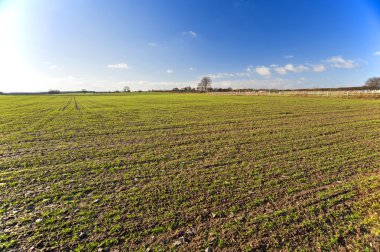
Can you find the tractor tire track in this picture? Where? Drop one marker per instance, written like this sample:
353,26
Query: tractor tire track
76,104
68,104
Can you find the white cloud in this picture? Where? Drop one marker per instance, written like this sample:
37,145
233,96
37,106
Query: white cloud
301,68
191,69
263,71
229,75
290,68
190,34
340,62
295,69
51,65
267,70
169,71
243,74
119,66
377,53
220,75
288,56
249,68
318,68
152,44
280,70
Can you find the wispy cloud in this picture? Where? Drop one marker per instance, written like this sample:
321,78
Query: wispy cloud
152,44
226,75
51,65
220,75
249,68
191,68
298,68
119,66
288,56
340,62
318,68
169,71
263,71
376,53
279,70
242,74
267,71
190,34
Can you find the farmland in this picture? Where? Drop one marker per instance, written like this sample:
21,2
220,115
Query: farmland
186,172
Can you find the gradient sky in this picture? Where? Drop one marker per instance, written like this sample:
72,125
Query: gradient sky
160,44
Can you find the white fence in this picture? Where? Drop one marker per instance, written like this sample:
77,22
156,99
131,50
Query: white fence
351,93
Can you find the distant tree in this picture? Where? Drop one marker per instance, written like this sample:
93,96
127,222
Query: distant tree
373,82
175,89
186,89
1,93
205,84
126,89
84,91
229,89
54,91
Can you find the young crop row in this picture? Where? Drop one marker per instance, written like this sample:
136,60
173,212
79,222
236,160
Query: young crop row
187,172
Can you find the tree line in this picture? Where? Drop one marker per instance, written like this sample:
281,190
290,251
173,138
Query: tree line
205,86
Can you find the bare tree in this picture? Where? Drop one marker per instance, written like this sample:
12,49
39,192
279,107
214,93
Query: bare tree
126,89
373,82
205,84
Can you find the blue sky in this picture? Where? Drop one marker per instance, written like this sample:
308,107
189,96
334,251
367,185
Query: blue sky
161,44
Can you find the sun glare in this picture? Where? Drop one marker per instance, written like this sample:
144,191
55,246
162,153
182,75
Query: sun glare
14,70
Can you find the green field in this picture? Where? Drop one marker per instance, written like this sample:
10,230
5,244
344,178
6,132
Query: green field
189,171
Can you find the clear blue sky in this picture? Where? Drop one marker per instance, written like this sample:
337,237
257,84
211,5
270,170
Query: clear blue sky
161,44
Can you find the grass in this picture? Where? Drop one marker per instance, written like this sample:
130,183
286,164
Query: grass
188,171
